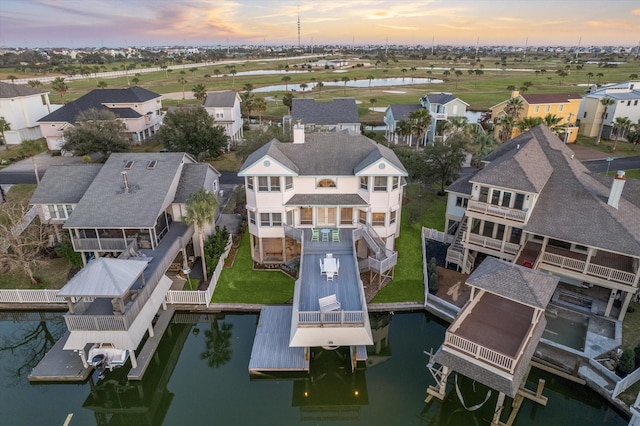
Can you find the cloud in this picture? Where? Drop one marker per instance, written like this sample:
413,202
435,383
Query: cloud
635,12
508,19
398,27
614,25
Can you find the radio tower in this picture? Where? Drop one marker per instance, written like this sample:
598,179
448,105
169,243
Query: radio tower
298,25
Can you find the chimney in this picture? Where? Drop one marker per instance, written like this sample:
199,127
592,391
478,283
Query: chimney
616,189
126,183
298,133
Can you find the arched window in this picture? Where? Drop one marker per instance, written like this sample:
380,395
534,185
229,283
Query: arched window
326,183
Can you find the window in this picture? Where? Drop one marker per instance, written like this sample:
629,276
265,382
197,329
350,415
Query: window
516,233
628,103
585,115
128,165
392,217
326,183
152,164
60,211
395,182
462,202
518,204
219,115
250,182
362,216
269,183
547,108
346,216
288,183
380,184
306,216
484,194
537,108
364,183
500,232
635,103
252,217
378,219
270,219
290,218
488,229
560,107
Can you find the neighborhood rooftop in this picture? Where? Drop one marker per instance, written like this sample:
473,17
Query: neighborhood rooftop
225,98
336,111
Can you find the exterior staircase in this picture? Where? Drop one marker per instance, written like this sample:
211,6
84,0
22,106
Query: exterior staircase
383,259
455,252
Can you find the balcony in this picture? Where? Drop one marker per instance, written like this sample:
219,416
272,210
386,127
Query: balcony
101,244
493,244
479,352
497,211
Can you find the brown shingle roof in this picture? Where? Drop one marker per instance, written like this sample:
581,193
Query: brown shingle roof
549,98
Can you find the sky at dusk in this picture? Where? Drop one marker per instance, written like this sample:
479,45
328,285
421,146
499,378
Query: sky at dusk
80,23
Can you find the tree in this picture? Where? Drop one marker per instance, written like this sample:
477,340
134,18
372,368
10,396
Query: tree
96,130
286,80
183,82
373,103
478,73
260,105
192,130
527,123
4,127
102,84
345,79
60,87
443,161
319,85
34,83
21,251
254,139
606,102
303,86
12,78
458,73
199,92
201,207
30,148
419,122
552,121
621,124
506,124
511,88
589,76
514,106
634,134
454,125
480,146
135,81
633,76
599,75
370,78
233,73
561,74
287,100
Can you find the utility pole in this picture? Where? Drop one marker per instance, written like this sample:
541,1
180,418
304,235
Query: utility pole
566,131
526,43
578,50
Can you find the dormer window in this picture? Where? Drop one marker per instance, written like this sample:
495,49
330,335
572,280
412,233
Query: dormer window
128,165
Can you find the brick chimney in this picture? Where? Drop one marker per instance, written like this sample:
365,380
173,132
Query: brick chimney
298,133
616,189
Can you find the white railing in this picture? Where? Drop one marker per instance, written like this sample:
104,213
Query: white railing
434,234
499,211
101,244
331,318
30,296
480,352
581,266
493,244
626,383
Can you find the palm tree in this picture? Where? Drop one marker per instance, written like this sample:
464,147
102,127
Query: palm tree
458,74
514,106
345,79
589,76
260,105
419,122
403,129
403,71
135,81
218,344
35,83
528,123
201,210
183,82
561,74
4,127
552,121
506,124
455,125
319,85
199,92
102,84
60,86
620,125
511,88
478,74
286,80
125,67
599,75
413,72
303,86
606,102
370,77
12,78
634,134
233,73
373,103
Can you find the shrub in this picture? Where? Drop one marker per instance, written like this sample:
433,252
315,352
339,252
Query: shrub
626,363
637,354
65,251
433,264
214,247
433,282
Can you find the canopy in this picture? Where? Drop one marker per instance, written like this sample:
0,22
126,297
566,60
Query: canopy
104,277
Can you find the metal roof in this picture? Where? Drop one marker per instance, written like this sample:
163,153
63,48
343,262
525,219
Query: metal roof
104,277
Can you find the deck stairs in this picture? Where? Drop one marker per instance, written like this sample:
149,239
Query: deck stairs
455,252
383,259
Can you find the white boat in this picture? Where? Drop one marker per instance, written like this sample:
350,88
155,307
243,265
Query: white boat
104,356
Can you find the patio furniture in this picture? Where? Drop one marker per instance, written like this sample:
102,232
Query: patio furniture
329,255
315,235
330,267
322,271
325,234
329,303
330,276
335,235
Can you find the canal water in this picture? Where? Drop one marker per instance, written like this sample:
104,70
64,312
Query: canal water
200,377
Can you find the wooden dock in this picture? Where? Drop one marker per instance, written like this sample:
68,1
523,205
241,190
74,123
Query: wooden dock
151,345
59,365
271,351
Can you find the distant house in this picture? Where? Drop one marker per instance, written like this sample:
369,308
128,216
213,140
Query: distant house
627,104
441,106
21,106
138,108
321,116
564,106
224,107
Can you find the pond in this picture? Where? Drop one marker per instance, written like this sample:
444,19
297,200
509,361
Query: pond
376,82
200,376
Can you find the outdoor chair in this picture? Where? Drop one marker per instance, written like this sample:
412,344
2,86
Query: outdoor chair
335,235
322,271
315,234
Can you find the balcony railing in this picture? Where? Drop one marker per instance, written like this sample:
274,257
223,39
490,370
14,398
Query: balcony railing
481,353
101,244
492,243
331,318
498,211
581,266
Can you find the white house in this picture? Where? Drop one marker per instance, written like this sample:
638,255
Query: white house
626,98
21,107
139,109
224,107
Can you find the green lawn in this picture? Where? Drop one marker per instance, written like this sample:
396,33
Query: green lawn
241,284
52,274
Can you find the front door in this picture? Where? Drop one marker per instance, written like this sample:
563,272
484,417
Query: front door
326,216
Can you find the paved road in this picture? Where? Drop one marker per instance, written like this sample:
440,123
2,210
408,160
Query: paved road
622,163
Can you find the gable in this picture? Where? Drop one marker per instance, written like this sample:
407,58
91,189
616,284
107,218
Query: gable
267,166
382,167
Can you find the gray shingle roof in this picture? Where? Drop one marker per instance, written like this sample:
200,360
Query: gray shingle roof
439,98
65,184
402,111
336,111
106,205
519,165
96,98
221,99
326,154
514,282
194,177
462,184
8,90
326,200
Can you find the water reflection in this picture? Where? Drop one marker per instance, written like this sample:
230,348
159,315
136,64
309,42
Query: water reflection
218,343
376,82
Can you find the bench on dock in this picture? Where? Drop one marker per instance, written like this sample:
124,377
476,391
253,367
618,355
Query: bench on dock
329,303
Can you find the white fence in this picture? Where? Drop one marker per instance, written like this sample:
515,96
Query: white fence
200,297
30,296
626,383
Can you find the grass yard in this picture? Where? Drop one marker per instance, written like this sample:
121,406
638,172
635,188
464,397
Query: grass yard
424,208
623,148
52,274
241,284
